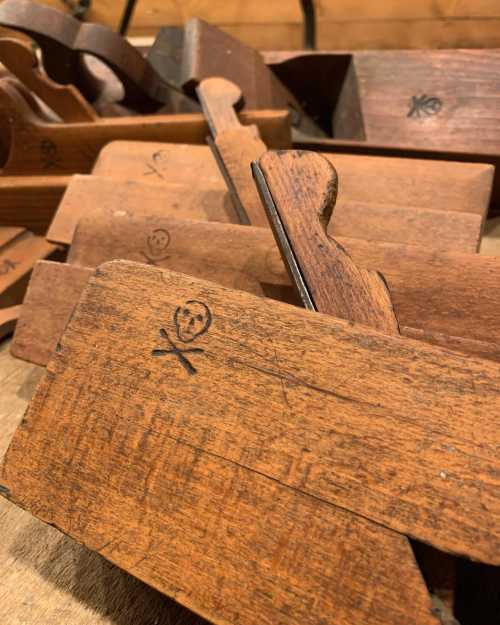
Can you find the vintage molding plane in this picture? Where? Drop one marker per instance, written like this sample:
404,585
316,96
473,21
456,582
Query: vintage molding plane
438,230
235,147
35,146
451,300
65,100
31,201
205,51
64,40
204,425
435,104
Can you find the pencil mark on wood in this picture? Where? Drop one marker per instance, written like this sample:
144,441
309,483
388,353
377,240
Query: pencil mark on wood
7,266
154,167
49,154
157,242
424,106
191,320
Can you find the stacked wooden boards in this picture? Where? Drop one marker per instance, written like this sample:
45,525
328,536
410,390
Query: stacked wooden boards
125,219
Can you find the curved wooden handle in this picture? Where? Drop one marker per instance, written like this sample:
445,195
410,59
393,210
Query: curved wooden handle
65,100
304,187
218,98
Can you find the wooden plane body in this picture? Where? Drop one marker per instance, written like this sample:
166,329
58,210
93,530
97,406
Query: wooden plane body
436,104
244,421
449,299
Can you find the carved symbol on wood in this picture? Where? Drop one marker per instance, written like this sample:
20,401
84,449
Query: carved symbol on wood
191,321
157,243
424,106
48,152
155,166
7,265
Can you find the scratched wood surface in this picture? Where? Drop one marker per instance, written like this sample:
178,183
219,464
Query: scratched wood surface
423,404
392,86
47,577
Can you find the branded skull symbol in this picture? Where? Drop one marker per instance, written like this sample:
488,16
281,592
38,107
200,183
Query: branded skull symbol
192,320
158,241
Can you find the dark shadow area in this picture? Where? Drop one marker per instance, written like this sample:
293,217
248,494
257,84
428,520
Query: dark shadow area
326,86
468,592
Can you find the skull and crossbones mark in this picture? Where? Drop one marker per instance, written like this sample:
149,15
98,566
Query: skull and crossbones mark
157,243
49,154
191,320
424,106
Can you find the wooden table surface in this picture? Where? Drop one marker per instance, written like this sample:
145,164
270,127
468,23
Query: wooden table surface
47,578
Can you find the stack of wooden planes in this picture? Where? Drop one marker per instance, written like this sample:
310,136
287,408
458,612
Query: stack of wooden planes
272,362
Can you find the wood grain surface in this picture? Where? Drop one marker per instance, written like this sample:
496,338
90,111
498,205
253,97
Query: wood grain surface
422,397
235,146
49,578
207,597
467,117
99,195
301,190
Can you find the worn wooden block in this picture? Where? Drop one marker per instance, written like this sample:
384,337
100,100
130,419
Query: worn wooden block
234,146
447,299
37,147
405,182
50,300
348,393
95,195
30,201
158,162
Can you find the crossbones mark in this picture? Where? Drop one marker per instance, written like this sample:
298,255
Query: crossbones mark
176,351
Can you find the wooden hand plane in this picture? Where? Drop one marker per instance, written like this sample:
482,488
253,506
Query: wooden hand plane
288,458
64,40
35,146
